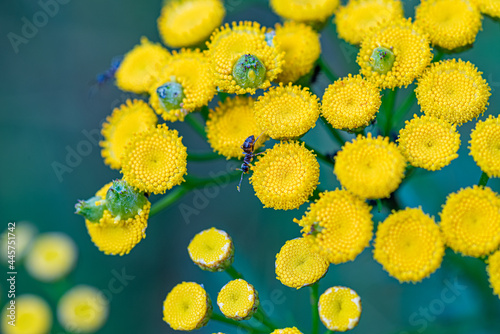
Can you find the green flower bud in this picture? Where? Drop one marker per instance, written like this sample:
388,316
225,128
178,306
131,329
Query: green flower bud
123,201
382,60
171,95
92,209
249,72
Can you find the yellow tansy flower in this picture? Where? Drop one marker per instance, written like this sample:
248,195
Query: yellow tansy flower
370,167
83,309
470,221
287,111
238,300
184,23
339,308
489,7
183,84
52,256
298,265
289,330
494,271
285,176
230,123
212,250
131,117
139,66
429,142
306,11
394,54
155,160
451,24
243,58
453,90
338,225
187,307
356,19
351,102
32,316
409,246
485,145
302,48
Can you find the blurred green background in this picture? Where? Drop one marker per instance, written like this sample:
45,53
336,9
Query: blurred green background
46,110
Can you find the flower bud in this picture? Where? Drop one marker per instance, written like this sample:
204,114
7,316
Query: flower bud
123,201
382,60
92,209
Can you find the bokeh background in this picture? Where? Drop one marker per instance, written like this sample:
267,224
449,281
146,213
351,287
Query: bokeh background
46,109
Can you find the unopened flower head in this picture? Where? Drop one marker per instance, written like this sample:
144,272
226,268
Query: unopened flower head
351,102
212,250
339,308
242,58
429,142
32,315
451,24
238,300
52,257
301,46
409,246
131,117
494,271
453,90
287,112
339,226
313,11
394,54
139,66
358,17
370,167
485,146
185,23
489,7
230,124
187,307
470,221
285,176
83,309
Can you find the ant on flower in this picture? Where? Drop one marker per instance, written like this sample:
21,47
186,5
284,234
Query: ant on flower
248,148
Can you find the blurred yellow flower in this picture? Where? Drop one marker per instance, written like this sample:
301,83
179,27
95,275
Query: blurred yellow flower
285,176
306,11
289,330
286,112
32,315
338,225
409,245
489,7
470,221
429,142
485,146
238,300
494,271
184,23
212,250
298,265
339,308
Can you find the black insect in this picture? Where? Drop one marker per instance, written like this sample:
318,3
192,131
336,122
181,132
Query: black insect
108,75
248,148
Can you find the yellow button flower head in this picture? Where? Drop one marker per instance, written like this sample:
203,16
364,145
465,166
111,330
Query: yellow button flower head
355,20
131,117
230,124
182,85
238,300
139,66
409,245
244,57
83,309
187,307
338,226
306,11
32,316
52,256
302,48
285,176
298,265
485,145
339,308
489,7
351,102
184,23
394,54
494,272
451,24
155,160
370,167
453,90
289,330
429,142
287,111
212,250
470,221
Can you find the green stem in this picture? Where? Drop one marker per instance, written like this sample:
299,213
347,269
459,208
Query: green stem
314,308
483,180
319,155
326,69
196,125
438,56
233,273
221,318
403,109
333,132
329,332
195,156
379,205
168,199
389,110
263,318
204,113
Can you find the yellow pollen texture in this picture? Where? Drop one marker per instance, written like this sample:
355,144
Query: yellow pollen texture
485,145
210,248
238,300
339,308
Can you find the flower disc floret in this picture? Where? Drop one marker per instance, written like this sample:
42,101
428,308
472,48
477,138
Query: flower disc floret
305,11
285,176
212,250
494,272
470,221
489,7
289,330
33,316
485,146
339,308
238,300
